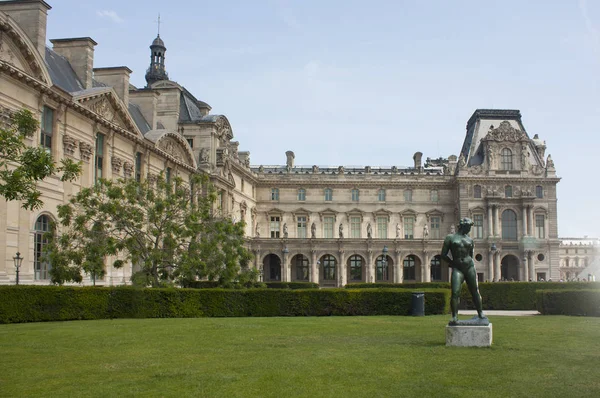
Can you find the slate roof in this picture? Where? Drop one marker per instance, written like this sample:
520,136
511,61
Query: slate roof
61,72
189,108
138,118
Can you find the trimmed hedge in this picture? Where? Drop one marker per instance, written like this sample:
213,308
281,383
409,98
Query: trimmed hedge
495,295
59,303
413,285
292,285
569,302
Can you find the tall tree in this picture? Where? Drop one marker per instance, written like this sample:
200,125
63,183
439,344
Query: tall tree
22,167
167,230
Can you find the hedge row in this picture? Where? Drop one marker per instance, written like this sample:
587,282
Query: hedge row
54,303
271,285
497,295
413,285
569,302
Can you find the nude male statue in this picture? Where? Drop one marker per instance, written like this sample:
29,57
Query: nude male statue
460,248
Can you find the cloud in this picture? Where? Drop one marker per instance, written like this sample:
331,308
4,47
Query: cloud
110,14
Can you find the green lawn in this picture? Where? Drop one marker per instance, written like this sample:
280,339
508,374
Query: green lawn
379,356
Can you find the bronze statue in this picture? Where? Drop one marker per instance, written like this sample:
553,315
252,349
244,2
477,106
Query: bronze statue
460,248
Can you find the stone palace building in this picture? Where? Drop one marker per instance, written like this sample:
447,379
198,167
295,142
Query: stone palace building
331,225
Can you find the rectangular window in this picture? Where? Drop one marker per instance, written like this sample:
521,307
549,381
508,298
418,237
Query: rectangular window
47,128
138,167
408,195
382,227
381,195
434,224
409,227
539,192
355,195
99,158
355,227
328,194
478,226
168,175
508,191
274,193
328,227
275,221
539,226
302,194
190,142
433,196
301,227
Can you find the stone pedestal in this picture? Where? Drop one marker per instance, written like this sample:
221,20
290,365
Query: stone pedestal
469,336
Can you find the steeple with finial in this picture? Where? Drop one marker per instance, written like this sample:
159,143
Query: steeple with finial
157,70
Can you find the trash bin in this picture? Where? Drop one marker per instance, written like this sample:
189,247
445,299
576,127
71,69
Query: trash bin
417,307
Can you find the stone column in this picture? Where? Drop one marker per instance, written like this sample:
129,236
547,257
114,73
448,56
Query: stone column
490,221
497,221
532,275
314,269
342,276
497,272
530,220
398,268
490,270
524,213
285,272
370,267
525,272
426,268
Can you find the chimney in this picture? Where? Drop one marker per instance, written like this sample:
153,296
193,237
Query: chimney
79,51
290,158
417,158
116,77
31,16
147,100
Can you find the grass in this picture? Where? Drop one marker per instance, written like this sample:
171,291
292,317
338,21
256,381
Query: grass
383,356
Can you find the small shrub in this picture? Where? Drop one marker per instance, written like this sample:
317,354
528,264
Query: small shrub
569,302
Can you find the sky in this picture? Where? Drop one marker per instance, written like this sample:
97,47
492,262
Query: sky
348,82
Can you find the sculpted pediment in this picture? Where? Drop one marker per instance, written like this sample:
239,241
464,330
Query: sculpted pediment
170,144
105,103
505,132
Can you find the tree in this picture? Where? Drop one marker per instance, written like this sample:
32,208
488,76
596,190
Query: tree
166,230
22,167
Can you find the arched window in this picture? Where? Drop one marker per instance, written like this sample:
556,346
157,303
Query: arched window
41,266
409,268
382,269
436,269
507,159
301,267
356,268
477,191
329,263
509,225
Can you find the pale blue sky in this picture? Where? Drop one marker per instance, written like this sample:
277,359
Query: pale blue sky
369,83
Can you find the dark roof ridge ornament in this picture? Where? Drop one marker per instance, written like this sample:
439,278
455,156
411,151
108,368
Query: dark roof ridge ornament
157,71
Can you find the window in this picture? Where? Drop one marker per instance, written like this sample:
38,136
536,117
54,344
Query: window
434,227
409,227
478,226
41,266
477,191
328,227
433,195
382,227
508,191
99,159
436,269
301,232
408,195
302,194
507,159
540,230
328,194
355,195
138,167
356,268
168,175
190,142
301,268
409,268
47,128
329,263
274,193
275,231
381,195
355,225
243,185
539,192
509,225
382,269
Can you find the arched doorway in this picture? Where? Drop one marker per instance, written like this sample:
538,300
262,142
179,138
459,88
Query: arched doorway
328,270
272,268
439,271
384,269
411,267
509,269
356,269
300,268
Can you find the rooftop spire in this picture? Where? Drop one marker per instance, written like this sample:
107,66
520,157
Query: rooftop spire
157,70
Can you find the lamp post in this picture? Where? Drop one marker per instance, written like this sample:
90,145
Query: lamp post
491,269
384,263
18,261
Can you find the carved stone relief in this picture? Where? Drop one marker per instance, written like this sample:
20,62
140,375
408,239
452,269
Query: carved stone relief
69,145
116,163
127,169
103,108
172,147
505,132
86,150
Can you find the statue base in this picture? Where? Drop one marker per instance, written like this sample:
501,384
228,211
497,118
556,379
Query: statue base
469,336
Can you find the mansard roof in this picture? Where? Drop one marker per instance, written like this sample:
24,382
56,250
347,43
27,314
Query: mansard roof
61,72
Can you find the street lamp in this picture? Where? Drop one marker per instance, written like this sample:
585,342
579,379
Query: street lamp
18,261
491,269
384,262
